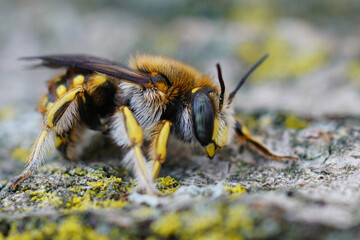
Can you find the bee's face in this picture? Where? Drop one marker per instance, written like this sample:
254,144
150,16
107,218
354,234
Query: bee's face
212,115
213,126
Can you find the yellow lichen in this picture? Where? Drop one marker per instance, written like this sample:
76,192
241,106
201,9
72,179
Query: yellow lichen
144,212
78,172
90,195
237,218
45,198
236,190
96,184
201,221
291,121
167,225
285,61
254,13
72,228
167,184
217,221
251,123
45,232
353,72
20,153
7,113
93,197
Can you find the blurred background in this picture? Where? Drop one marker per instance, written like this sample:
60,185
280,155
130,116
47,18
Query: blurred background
314,47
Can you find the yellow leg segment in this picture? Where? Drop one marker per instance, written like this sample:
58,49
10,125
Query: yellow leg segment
37,154
61,116
244,135
160,145
56,110
133,128
135,137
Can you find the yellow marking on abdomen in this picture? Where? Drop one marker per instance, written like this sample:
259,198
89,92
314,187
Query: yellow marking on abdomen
44,101
61,90
69,96
134,129
58,79
78,80
98,79
162,141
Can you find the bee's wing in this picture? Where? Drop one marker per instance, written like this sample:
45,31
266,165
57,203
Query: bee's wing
94,64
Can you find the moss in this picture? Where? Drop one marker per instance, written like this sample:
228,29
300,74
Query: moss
167,184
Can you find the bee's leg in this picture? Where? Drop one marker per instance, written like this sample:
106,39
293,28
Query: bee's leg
62,144
244,135
60,117
127,132
159,145
66,142
42,145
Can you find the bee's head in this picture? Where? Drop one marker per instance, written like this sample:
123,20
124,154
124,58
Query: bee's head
212,118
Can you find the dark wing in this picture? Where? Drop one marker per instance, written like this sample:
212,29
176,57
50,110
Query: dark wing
94,64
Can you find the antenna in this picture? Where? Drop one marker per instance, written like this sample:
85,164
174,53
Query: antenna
222,86
242,81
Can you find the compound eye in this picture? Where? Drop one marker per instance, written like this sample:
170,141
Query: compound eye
203,117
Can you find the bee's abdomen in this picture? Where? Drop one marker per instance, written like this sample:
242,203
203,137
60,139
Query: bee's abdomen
59,86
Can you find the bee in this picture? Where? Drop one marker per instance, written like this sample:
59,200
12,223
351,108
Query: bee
149,100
